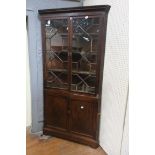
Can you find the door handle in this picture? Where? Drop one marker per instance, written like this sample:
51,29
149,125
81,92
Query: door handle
81,107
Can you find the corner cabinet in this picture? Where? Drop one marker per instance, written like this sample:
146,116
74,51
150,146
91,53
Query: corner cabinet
73,43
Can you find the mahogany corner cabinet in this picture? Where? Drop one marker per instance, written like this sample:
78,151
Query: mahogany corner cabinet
73,45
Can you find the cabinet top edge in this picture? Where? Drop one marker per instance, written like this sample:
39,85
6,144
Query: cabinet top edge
104,8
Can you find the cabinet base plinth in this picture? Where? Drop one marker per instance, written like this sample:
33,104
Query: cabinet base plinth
72,137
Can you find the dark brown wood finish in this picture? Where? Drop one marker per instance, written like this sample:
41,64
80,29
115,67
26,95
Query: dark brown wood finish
102,8
56,108
82,117
71,114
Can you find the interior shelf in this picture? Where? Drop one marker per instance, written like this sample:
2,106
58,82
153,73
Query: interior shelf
75,51
57,70
83,72
65,35
80,91
73,71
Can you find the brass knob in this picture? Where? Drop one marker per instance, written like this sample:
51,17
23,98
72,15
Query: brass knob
82,107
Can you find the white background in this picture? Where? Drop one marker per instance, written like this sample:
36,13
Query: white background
28,89
113,138
13,77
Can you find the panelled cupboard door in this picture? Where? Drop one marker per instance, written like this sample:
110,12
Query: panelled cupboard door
56,112
82,116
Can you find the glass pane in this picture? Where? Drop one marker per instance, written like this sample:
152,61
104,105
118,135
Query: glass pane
57,53
84,54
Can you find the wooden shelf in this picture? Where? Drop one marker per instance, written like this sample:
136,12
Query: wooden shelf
77,34
57,70
80,91
83,72
74,51
73,71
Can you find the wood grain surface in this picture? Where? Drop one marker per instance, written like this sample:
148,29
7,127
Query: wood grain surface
55,146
